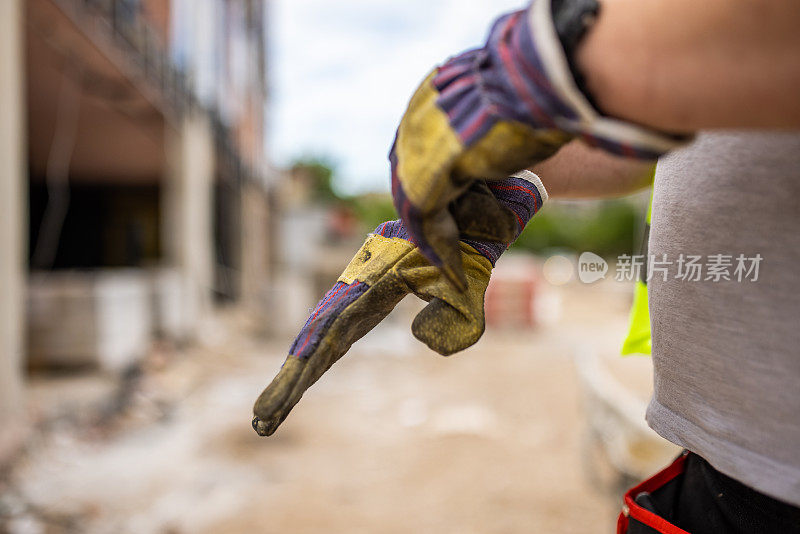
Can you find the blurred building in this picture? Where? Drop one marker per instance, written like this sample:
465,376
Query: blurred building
134,187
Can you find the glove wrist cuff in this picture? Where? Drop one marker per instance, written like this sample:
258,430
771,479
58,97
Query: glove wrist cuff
531,177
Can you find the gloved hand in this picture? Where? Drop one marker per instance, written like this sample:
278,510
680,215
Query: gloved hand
493,111
387,268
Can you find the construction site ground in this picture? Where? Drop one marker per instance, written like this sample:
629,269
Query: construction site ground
394,439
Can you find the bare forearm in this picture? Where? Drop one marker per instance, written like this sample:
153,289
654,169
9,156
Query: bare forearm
686,65
578,171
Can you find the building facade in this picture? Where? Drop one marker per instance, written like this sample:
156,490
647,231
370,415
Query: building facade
135,187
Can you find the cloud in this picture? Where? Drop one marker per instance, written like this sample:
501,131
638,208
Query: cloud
342,72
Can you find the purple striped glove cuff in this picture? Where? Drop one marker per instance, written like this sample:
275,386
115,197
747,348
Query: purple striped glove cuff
522,74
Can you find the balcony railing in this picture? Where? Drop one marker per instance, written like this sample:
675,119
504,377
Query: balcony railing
144,50
147,60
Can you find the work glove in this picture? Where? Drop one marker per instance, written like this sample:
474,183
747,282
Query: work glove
490,112
386,268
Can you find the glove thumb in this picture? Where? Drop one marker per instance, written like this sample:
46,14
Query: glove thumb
447,330
453,320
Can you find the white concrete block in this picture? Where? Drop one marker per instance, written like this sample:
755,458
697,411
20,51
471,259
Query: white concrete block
101,318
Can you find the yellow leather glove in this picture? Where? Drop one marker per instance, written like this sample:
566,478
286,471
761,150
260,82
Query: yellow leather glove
384,270
387,268
492,111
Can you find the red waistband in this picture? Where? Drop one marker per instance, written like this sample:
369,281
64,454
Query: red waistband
631,509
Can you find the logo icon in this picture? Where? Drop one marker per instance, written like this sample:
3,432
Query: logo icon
591,267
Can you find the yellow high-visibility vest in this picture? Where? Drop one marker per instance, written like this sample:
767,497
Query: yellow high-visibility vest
638,340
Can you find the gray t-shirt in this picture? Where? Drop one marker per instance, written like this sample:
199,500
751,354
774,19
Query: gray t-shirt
727,353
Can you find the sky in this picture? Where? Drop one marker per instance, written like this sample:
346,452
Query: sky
341,73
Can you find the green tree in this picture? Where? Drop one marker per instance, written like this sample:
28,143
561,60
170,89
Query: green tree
320,172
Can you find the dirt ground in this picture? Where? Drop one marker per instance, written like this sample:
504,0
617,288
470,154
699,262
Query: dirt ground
393,439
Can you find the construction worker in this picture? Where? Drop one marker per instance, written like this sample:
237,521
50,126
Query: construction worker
587,94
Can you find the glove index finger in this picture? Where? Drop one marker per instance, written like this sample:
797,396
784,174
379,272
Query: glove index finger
364,294
480,215
441,247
